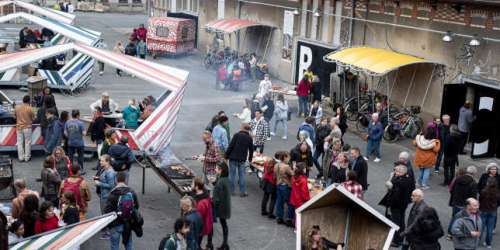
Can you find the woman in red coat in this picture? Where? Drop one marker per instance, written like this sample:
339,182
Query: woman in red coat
303,93
48,220
300,191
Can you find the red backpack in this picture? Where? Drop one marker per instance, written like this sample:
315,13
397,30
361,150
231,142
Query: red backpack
75,188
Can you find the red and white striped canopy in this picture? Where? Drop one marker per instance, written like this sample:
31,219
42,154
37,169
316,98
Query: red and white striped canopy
155,132
231,25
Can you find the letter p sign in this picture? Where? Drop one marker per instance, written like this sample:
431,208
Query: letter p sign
305,60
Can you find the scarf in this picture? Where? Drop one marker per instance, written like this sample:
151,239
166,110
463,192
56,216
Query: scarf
423,143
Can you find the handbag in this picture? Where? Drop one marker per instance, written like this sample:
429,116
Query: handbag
137,223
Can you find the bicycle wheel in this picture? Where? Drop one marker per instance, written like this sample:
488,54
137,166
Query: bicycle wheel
351,112
414,127
390,134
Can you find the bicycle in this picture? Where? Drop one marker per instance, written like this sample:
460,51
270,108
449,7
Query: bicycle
406,123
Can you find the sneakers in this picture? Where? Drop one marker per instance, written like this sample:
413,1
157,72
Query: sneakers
284,138
436,171
101,72
268,138
273,134
280,221
376,160
105,236
425,187
489,247
364,157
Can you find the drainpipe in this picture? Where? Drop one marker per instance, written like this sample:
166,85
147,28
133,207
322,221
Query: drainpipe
351,22
366,23
238,14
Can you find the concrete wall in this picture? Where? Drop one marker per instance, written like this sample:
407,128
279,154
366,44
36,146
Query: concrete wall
430,46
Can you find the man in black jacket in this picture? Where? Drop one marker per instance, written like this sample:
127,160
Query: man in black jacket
450,153
240,148
121,155
120,226
359,166
302,153
463,187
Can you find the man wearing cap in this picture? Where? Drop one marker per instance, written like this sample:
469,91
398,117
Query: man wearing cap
106,104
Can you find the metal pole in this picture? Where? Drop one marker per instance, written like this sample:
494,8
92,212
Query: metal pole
411,85
351,23
393,84
428,86
388,99
143,180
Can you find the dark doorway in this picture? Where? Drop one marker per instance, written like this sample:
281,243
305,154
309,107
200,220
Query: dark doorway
453,100
187,16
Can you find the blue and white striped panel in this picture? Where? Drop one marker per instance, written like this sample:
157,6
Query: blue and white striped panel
53,77
78,71
8,75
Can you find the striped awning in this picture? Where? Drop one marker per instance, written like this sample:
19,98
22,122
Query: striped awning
155,132
374,61
42,11
231,25
73,32
68,237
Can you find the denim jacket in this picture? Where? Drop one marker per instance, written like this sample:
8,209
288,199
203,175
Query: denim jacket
106,182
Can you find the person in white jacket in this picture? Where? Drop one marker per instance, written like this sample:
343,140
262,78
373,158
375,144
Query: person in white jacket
106,104
281,116
246,115
265,86
316,111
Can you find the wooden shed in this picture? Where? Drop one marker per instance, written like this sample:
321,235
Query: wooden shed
343,218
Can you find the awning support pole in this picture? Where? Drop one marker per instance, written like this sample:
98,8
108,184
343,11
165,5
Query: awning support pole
411,85
388,98
393,84
267,44
428,86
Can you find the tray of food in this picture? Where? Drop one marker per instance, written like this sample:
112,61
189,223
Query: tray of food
179,171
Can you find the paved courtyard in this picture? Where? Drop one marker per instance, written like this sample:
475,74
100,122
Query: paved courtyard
247,229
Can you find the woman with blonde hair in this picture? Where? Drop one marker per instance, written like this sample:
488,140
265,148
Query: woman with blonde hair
62,163
120,50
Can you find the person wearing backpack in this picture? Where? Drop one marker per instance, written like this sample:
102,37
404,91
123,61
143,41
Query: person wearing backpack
188,212
77,184
176,240
122,200
121,156
74,131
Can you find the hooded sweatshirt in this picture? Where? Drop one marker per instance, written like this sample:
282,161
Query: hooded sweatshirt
204,208
463,188
426,152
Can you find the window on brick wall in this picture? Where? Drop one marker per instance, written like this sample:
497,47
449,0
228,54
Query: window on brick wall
137,1
123,1
286,52
162,31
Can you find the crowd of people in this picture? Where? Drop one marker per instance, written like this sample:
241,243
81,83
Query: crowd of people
321,144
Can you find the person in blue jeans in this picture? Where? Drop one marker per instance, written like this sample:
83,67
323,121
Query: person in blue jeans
488,200
74,130
117,228
425,155
239,150
283,174
375,133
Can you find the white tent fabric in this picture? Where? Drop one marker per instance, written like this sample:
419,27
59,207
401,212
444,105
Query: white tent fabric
73,32
155,132
50,13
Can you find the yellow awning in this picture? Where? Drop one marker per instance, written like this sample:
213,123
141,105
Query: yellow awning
374,61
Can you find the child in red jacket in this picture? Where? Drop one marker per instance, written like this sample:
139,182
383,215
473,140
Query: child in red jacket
269,187
300,191
48,220
204,208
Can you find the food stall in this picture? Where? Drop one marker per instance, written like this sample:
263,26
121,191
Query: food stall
354,220
76,74
170,35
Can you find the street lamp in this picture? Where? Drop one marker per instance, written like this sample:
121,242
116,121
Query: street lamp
448,37
296,12
475,41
